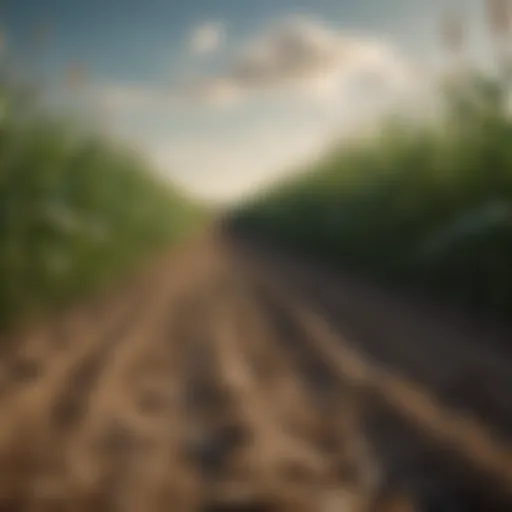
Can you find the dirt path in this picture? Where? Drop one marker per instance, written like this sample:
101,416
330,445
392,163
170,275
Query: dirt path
230,378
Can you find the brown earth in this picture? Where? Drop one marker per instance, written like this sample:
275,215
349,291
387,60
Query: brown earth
229,377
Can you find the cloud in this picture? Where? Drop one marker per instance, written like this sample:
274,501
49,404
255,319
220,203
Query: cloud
296,57
125,97
305,56
215,91
206,38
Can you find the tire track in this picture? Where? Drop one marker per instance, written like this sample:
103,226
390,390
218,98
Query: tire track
30,438
70,408
104,452
26,410
271,455
343,473
474,375
464,435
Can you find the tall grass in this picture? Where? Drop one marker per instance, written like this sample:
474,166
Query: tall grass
427,205
76,211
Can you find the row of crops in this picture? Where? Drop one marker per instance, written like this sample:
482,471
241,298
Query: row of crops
76,211
426,205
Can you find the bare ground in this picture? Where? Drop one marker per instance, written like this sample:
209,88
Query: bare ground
229,377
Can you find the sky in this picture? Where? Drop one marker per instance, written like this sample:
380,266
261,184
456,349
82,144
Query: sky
225,95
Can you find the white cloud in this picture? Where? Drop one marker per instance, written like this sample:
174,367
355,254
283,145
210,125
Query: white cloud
124,97
216,91
118,98
297,57
301,55
206,38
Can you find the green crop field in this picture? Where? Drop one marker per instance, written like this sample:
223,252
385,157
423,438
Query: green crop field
426,205
76,211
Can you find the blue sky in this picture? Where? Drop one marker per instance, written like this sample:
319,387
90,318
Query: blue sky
144,58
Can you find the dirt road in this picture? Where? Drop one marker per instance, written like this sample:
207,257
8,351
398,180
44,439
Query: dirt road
229,377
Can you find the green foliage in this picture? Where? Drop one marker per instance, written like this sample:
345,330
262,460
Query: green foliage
423,205
75,211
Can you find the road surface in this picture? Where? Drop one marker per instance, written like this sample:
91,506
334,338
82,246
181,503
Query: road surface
231,377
